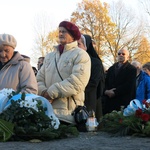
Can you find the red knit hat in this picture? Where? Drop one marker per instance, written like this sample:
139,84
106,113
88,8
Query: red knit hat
71,28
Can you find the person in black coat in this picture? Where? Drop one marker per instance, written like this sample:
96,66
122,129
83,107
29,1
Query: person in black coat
95,86
120,83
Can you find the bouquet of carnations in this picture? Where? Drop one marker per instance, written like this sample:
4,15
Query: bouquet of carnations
29,116
133,120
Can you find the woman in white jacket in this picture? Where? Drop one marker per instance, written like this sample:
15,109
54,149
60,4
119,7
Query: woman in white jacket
74,66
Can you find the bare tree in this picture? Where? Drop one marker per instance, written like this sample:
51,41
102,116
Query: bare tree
128,29
52,39
146,5
41,28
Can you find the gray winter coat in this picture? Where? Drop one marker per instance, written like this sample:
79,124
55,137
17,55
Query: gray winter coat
18,75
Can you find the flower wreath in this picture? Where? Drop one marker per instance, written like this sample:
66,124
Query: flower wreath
28,116
133,120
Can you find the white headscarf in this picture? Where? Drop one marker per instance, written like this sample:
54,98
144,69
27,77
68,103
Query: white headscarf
84,41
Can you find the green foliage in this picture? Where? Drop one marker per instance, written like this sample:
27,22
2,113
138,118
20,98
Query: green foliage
27,123
120,125
6,130
47,134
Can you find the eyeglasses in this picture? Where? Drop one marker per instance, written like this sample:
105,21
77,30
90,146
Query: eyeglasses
121,54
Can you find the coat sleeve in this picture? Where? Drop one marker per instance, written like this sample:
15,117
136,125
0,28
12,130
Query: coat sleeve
27,83
147,87
76,80
41,79
95,74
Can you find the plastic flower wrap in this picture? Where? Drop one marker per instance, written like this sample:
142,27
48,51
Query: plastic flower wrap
5,94
146,104
132,107
139,110
32,101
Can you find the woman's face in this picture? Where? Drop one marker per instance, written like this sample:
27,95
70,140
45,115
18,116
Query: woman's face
80,44
6,53
64,36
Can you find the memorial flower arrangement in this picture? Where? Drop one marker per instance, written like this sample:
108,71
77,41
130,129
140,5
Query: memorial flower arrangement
133,120
28,116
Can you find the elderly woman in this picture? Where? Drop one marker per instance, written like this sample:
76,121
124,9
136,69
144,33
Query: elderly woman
65,73
15,72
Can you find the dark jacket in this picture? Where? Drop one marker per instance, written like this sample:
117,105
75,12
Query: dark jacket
91,88
95,86
125,83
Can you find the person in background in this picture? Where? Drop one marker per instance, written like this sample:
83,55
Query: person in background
142,82
15,71
65,73
35,70
146,68
40,62
120,84
95,86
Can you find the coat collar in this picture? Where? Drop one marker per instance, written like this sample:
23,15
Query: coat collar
67,46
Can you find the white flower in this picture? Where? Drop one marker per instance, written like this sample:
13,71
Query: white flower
6,91
29,103
55,122
22,103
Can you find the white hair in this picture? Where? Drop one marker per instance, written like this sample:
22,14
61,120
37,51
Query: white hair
136,64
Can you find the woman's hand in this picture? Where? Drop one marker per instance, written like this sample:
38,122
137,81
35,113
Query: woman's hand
46,95
110,93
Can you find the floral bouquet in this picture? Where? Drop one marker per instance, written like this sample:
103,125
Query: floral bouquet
133,120
29,116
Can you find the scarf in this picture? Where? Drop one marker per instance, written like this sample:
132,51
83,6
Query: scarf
61,48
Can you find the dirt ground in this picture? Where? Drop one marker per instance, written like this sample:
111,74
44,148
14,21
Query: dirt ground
85,141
